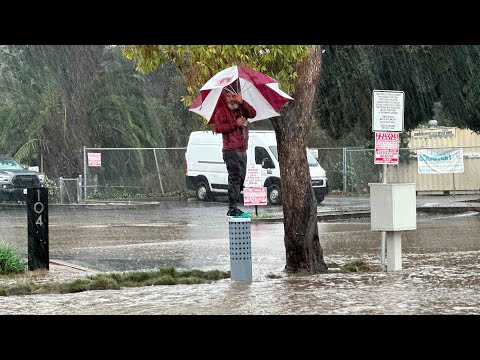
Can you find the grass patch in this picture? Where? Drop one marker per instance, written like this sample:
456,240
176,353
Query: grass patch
115,281
355,266
10,261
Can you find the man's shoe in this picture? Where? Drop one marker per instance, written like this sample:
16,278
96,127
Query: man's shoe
237,212
234,212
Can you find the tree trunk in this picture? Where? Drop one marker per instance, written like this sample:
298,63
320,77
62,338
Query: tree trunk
303,251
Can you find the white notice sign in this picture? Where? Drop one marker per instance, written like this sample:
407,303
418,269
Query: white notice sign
253,177
387,110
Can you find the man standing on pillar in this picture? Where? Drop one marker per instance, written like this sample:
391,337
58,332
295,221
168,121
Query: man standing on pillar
231,120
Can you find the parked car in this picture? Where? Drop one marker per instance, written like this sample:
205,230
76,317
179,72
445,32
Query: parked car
15,179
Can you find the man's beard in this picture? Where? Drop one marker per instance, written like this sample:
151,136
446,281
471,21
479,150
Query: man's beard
233,105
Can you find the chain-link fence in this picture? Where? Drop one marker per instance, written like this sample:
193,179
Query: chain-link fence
70,190
350,170
133,172
151,172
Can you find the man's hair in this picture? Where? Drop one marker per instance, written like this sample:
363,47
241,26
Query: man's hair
233,87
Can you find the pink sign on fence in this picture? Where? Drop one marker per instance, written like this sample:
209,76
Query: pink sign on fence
94,159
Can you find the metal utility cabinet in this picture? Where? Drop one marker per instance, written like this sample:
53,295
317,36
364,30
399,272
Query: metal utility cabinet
393,208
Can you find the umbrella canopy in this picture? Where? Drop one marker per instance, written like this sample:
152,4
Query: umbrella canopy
259,90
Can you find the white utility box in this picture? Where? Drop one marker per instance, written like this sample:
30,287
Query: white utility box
393,206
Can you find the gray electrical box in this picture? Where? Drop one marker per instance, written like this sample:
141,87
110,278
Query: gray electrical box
393,207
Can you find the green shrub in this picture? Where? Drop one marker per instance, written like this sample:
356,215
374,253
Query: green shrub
53,190
10,260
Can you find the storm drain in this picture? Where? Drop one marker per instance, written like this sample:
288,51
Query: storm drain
240,249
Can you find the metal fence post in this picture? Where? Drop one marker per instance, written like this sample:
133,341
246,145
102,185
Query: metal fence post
158,171
344,161
61,188
79,189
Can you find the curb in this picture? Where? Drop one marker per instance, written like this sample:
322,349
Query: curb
366,213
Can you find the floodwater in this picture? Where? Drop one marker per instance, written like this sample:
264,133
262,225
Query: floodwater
440,273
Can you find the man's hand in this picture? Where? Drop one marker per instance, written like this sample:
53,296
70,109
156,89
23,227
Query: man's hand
242,122
238,98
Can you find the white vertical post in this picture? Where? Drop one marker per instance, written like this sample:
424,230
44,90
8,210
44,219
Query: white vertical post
344,163
453,184
85,172
61,188
158,171
79,189
394,250
382,234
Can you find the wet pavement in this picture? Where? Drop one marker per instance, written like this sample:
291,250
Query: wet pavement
440,273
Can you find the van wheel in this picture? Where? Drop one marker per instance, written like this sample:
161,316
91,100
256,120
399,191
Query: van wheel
203,191
319,198
274,195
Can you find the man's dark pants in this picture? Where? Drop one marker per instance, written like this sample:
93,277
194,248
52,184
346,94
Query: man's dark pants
236,162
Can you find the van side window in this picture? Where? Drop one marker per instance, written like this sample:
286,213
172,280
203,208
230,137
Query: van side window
260,154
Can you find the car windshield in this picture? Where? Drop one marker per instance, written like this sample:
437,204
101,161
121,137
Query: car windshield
310,158
9,164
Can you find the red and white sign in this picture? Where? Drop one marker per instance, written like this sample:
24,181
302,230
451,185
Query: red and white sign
253,177
386,148
94,159
255,196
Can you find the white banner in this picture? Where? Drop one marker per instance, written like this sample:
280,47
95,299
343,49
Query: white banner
440,161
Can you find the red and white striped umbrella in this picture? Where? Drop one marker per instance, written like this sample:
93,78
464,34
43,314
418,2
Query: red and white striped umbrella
259,90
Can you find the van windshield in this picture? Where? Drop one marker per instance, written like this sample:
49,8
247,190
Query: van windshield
310,158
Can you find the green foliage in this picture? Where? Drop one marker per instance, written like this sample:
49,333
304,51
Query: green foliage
335,177
10,260
433,78
53,190
473,102
56,99
200,62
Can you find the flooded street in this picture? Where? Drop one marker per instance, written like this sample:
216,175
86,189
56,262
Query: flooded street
440,275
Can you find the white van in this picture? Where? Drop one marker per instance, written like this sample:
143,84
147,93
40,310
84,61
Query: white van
207,175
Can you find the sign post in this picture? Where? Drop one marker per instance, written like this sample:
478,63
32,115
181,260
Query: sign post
37,216
387,123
